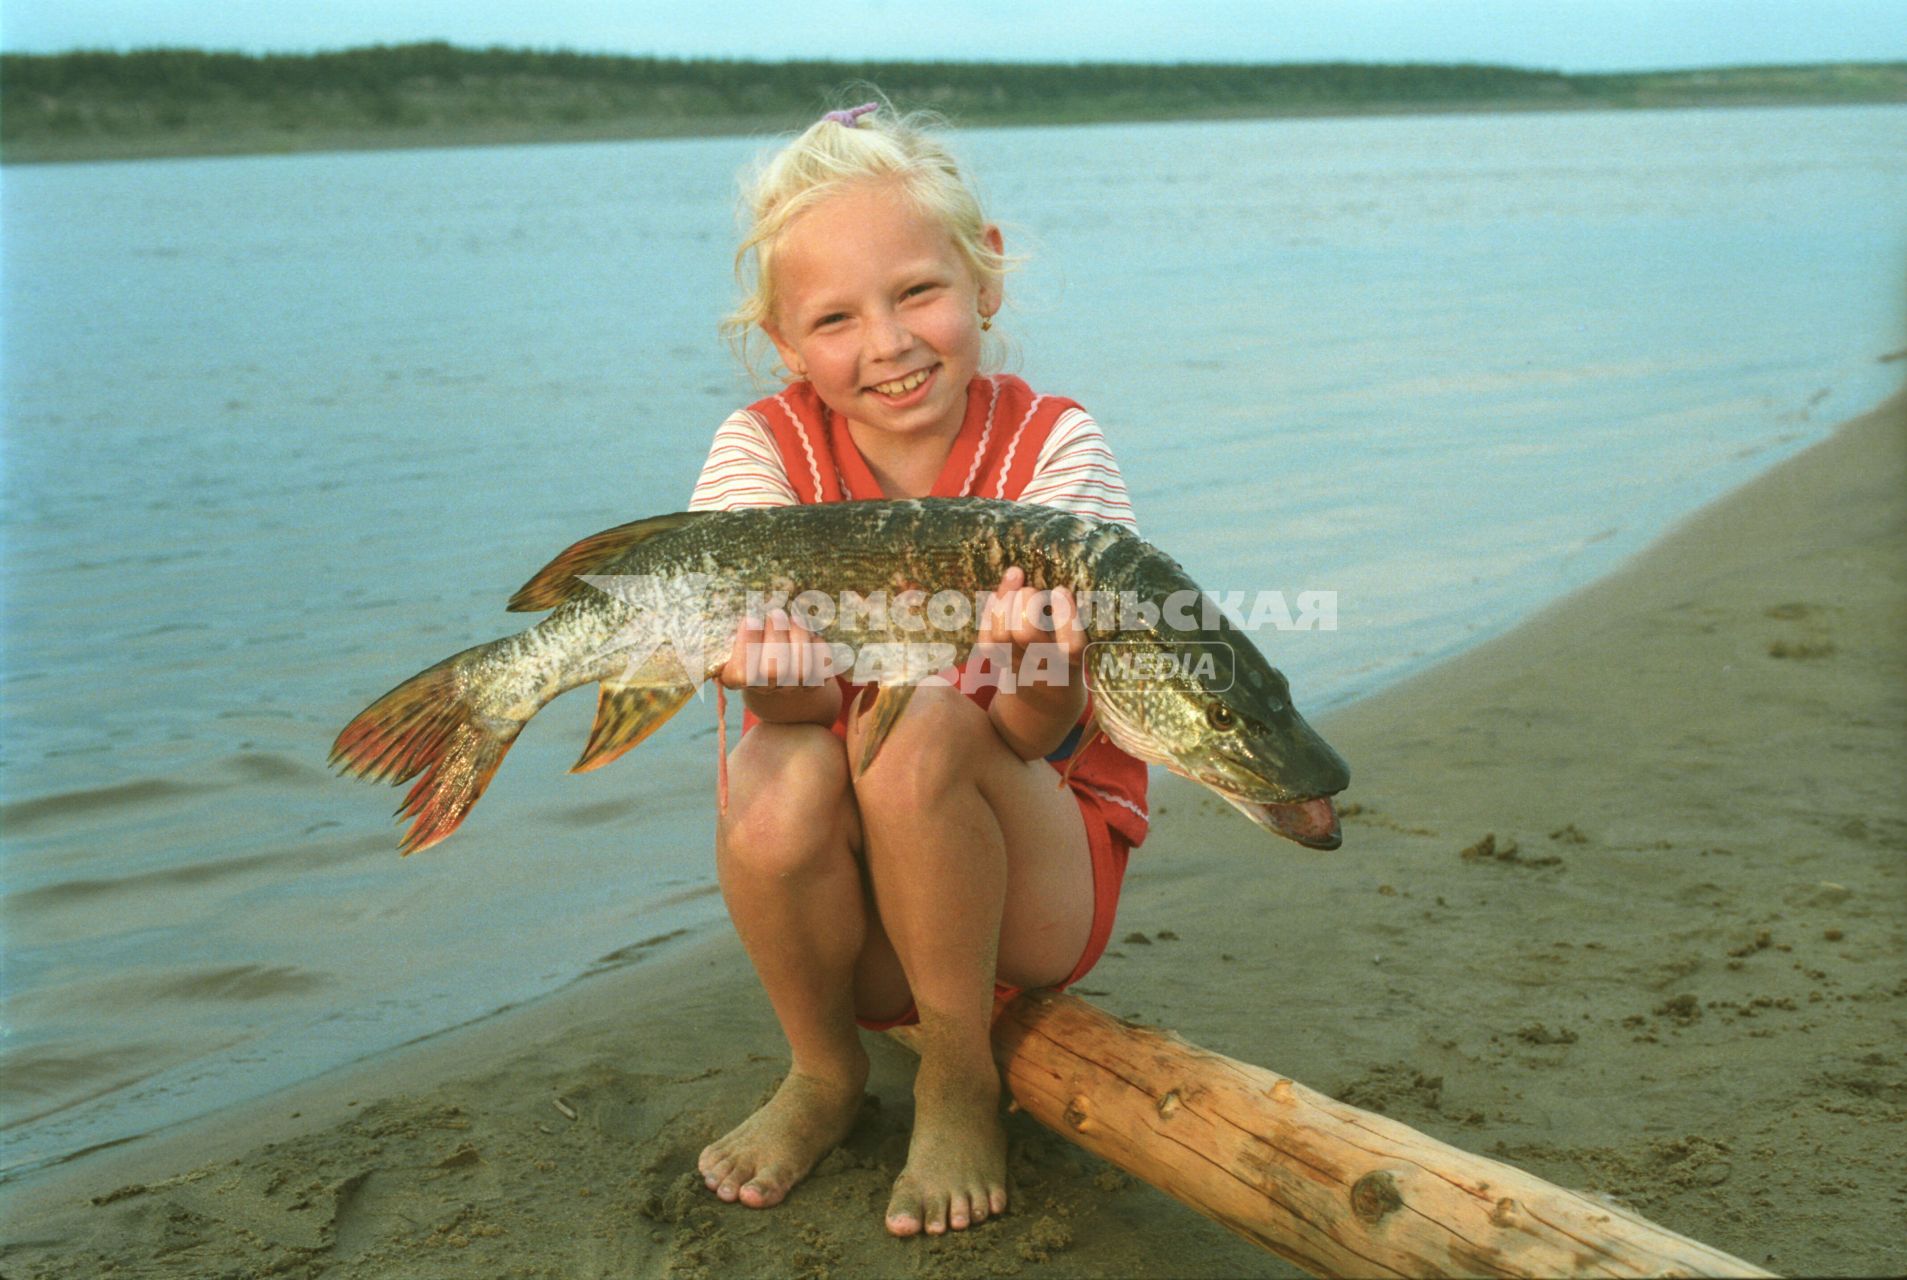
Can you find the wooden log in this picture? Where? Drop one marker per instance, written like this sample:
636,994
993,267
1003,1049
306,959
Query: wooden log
1331,1188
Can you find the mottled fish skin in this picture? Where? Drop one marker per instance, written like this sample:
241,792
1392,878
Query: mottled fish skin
1227,722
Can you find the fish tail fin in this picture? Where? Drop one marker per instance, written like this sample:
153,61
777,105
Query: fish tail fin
625,715
443,797
429,725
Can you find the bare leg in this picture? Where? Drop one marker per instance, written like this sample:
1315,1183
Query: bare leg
785,858
957,827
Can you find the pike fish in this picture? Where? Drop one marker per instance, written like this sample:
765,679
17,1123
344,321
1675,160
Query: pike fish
649,610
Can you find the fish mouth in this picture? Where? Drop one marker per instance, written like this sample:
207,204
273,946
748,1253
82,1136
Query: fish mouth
1312,823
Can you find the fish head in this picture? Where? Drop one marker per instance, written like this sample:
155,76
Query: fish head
1207,705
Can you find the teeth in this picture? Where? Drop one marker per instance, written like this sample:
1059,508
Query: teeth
901,386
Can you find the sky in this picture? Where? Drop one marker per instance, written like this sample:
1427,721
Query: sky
1568,35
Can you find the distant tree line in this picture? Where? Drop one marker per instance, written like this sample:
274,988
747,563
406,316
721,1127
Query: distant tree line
738,86
155,92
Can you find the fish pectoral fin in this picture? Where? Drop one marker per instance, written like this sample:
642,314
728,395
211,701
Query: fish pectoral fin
625,715
560,579
879,720
903,668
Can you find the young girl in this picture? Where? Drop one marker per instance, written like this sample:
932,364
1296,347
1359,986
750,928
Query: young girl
956,861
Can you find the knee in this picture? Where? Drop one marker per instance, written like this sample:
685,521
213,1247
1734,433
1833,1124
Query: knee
938,745
787,801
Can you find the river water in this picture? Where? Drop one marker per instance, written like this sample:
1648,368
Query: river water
279,431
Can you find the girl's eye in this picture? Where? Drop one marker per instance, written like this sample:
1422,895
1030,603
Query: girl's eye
916,290
832,318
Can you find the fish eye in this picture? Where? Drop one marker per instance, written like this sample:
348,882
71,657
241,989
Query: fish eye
1220,717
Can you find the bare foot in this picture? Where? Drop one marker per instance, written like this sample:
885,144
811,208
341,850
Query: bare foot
956,1162
761,1159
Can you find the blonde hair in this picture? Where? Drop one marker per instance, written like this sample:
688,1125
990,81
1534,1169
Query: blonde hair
824,158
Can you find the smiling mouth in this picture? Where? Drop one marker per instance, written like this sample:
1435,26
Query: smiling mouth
901,386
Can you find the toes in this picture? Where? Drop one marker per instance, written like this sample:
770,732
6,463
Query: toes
762,1191
974,1207
937,1217
904,1211
712,1164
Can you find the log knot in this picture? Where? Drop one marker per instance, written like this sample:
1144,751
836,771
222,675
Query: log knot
1374,1196
1169,1105
1506,1212
1076,1113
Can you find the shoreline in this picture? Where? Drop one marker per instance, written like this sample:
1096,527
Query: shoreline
264,142
1664,961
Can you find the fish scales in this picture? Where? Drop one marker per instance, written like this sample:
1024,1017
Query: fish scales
650,609
836,549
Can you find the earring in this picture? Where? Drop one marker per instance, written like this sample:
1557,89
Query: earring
986,323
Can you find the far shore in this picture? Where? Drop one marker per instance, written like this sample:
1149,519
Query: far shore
149,103
263,141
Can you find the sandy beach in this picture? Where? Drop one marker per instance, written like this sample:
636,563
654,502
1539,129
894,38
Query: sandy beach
1621,902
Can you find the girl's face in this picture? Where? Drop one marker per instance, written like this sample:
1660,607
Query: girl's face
876,307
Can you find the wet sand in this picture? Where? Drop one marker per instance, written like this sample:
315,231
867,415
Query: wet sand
1621,901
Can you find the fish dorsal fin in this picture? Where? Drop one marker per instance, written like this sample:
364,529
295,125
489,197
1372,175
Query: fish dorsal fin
560,580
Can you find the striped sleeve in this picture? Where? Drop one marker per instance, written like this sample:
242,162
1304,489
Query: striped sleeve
743,469
1076,472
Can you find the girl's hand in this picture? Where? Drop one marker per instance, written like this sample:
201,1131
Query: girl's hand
1017,615
1036,711
783,670
775,652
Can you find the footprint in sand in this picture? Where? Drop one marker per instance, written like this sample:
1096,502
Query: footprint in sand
1813,643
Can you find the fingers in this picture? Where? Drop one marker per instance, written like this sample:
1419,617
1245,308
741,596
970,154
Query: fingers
776,651
1058,619
734,672
997,614
790,653
1069,630
1022,616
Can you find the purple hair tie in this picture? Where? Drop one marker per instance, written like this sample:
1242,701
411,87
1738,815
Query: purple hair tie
847,119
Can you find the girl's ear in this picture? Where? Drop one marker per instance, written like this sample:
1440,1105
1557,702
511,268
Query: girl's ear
789,359
993,293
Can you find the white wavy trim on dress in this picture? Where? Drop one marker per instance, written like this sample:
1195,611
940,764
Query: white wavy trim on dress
743,468
1074,472
1122,802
